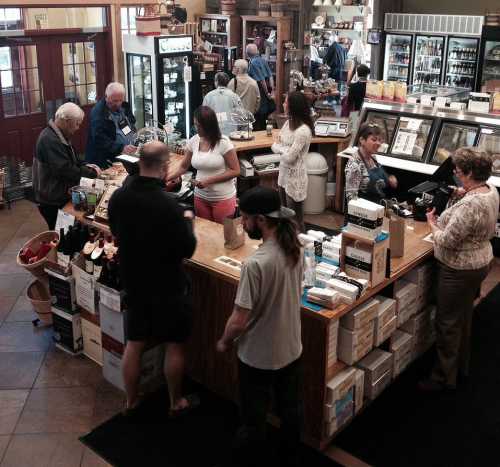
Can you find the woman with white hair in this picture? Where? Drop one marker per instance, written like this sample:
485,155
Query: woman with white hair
56,166
245,86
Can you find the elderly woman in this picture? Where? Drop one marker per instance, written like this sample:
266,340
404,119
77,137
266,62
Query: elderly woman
462,247
246,87
56,167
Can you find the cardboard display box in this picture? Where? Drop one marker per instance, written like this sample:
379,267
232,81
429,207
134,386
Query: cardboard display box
333,333
359,390
354,345
62,291
340,384
84,285
92,341
375,365
386,331
113,323
373,391
67,330
337,408
361,315
401,345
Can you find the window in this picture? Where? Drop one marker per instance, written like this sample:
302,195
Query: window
19,81
79,72
128,15
10,19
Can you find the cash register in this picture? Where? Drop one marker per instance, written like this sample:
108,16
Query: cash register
332,126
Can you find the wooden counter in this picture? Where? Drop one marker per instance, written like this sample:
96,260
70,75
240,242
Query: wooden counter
214,290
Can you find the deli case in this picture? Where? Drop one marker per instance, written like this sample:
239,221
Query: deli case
159,79
418,139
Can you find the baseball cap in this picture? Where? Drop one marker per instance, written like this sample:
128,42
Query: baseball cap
264,201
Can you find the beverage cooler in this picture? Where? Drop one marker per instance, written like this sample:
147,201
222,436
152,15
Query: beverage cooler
428,60
461,62
159,79
419,139
489,71
397,58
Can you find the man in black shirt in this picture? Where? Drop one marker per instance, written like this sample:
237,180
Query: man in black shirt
154,235
357,90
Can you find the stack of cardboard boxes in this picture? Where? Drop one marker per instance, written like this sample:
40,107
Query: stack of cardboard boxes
386,319
341,398
377,367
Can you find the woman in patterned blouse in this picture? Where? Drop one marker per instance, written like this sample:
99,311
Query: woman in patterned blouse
364,176
293,145
462,247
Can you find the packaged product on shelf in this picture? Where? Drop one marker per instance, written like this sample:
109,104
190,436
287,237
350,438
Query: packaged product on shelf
386,310
382,333
359,390
401,346
333,334
374,89
400,91
305,239
354,345
343,410
340,384
405,294
377,366
348,292
364,218
358,261
388,90
317,234
67,330
325,297
361,315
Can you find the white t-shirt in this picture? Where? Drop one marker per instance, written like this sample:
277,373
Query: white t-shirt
210,163
271,289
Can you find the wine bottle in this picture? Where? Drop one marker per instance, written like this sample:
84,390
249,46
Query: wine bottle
96,257
87,253
62,257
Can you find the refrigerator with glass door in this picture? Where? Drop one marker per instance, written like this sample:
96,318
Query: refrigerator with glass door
461,62
397,57
428,59
489,59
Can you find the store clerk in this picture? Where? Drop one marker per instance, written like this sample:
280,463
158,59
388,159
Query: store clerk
364,176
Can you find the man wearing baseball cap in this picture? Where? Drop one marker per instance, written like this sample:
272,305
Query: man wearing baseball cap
265,323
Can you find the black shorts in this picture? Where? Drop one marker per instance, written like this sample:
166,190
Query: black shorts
164,319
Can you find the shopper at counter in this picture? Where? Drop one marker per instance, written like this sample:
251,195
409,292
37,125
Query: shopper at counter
293,146
111,130
462,247
216,162
357,92
56,167
259,70
364,176
155,236
246,87
223,102
266,325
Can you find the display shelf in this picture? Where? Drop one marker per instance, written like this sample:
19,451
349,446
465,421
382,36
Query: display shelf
460,60
460,74
282,26
232,27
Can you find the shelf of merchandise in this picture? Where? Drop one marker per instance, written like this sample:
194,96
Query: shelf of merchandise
233,29
282,25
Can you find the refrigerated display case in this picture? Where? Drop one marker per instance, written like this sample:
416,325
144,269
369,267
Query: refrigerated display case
428,60
452,94
159,79
397,58
461,62
489,73
417,139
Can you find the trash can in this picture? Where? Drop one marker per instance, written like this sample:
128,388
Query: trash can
317,175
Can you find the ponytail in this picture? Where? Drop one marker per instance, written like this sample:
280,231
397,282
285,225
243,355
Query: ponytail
286,236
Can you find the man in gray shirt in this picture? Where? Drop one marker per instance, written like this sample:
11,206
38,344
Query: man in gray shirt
223,102
266,325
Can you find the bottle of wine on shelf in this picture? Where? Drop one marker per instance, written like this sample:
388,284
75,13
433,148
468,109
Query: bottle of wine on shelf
97,257
87,253
62,257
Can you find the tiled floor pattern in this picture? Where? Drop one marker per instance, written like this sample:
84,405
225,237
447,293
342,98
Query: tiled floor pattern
48,398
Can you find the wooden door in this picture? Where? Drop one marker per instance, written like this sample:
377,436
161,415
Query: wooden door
37,75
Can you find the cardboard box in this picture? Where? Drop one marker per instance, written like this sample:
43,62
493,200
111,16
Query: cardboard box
333,333
401,345
416,323
405,293
402,362
335,424
111,298
113,323
92,342
375,365
84,285
359,390
151,364
67,328
373,391
337,408
354,345
361,315
406,313
62,291
382,334
421,275
340,384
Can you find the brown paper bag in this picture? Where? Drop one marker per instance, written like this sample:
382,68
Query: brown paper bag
397,230
234,235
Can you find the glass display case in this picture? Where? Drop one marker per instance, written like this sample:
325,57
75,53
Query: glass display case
140,90
452,137
453,94
461,61
489,140
387,123
428,60
397,58
411,138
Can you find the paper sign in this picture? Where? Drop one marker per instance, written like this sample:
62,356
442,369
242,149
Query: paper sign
64,220
207,46
110,298
404,143
440,102
188,74
426,99
413,124
99,184
86,182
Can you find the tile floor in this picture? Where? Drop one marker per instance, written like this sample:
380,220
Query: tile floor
48,398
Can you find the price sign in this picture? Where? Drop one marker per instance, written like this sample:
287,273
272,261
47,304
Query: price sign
64,220
405,142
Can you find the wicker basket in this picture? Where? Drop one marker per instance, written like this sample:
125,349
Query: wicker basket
38,268
39,296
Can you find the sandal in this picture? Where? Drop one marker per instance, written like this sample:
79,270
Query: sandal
193,401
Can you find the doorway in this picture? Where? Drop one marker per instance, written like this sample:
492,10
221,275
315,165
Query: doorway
37,75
